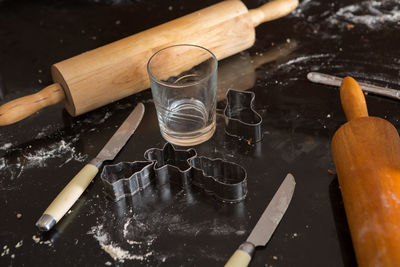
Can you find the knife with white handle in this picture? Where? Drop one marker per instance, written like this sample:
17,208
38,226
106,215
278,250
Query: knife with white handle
326,79
266,225
74,189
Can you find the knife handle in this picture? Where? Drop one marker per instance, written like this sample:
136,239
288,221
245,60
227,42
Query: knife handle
353,99
242,256
322,78
67,197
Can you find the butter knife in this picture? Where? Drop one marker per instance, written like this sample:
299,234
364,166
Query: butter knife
74,189
327,79
266,225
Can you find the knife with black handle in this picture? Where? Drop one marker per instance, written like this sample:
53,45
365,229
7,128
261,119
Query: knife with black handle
266,225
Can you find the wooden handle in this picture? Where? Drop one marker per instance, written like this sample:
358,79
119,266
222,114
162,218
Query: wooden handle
353,100
272,10
117,70
71,192
23,107
238,259
366,151
69,195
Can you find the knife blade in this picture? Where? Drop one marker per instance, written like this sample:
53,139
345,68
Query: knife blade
74,189
327,79
266,225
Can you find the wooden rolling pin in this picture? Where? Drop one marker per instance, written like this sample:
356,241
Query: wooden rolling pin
114,71
366,151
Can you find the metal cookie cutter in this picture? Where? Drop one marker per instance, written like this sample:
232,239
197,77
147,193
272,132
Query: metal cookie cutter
225,180
171,165
241,120
126,178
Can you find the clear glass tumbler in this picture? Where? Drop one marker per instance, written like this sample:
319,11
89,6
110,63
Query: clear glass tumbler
183,82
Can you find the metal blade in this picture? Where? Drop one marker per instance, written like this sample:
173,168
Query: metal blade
273,214
327,79
121,136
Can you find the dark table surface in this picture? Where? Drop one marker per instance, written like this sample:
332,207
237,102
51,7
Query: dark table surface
165,225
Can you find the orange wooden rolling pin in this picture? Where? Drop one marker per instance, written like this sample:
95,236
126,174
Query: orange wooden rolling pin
114,71
366,151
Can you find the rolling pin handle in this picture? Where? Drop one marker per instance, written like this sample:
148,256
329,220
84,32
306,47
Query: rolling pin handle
272,10
23,107
353,100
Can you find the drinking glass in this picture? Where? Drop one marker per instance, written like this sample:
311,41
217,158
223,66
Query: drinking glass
183,81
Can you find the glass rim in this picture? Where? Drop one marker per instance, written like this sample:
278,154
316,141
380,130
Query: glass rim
154,78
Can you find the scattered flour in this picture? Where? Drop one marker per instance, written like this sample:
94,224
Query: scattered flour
106,116
57,150
394,198
47,242
100,235
44,132
96,120
240,232
35,238
300,62
305,59
2,163
13,166
373,14
134,239
304,6
114,249
223,229
121,255
5,252
5,146
370,13
125,232
19,244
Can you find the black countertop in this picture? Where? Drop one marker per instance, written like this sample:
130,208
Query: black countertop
166,226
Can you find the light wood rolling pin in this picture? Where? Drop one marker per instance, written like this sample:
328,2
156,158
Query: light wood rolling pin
366,151
114,71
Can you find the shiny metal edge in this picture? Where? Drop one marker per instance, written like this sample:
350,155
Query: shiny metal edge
327,79
121,136
46,222
247,247
274,212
